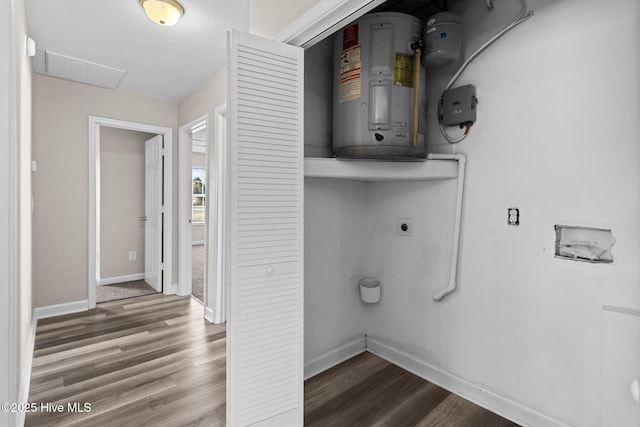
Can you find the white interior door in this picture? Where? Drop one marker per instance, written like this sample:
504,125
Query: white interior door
153,212
265,384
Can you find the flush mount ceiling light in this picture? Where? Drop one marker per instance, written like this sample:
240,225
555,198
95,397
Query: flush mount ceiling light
163,12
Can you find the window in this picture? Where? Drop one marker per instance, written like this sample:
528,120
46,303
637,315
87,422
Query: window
199,197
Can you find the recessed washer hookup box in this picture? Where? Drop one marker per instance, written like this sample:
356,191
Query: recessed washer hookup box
584,244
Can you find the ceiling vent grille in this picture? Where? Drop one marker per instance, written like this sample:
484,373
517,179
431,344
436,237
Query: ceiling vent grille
79,70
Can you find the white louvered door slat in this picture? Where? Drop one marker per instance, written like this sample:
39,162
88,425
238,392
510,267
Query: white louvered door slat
265,383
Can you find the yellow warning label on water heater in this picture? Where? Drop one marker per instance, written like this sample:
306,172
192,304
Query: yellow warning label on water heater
350,74
403,71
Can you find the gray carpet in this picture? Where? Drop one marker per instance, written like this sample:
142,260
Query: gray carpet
138,288
197,272
118,291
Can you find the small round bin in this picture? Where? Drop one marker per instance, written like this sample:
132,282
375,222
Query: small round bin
369,290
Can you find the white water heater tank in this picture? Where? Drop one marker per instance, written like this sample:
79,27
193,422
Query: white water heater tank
374,89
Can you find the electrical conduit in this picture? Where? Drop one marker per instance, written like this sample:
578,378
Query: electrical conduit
462,161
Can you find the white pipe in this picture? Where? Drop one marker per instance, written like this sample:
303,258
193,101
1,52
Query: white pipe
517,21
462,161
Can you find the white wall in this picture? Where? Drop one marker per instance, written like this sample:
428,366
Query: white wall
198,160
24,310
557,136
15,209
197,234
335,235
411,268
61,186
7,225
268,17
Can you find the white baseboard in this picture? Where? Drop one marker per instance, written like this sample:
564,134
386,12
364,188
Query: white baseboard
476,393
334,357
208,314
171,289
60,309
121,279
25,383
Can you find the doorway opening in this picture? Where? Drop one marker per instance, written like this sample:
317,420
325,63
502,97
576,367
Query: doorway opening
194,211
199,190
195,138
156,218
129,253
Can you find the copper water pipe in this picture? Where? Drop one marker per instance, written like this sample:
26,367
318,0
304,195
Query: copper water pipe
416,97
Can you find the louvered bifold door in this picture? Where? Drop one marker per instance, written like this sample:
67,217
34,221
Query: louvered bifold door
265,289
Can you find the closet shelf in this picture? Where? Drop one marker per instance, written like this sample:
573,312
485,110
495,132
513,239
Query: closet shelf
365,170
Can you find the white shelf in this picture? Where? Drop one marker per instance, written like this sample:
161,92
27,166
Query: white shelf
367,170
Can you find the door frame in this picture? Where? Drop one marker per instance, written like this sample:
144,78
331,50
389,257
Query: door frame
220,211
9,220
95,123
184,208
324,19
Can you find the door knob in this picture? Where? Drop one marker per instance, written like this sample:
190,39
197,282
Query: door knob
143,218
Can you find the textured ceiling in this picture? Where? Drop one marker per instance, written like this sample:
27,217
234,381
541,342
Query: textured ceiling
161,62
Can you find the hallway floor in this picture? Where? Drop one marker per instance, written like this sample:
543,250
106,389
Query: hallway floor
150,361
154,361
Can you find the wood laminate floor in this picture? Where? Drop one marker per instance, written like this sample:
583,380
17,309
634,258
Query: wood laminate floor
369,391
154,361
150,361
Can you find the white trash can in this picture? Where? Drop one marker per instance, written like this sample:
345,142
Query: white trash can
369,290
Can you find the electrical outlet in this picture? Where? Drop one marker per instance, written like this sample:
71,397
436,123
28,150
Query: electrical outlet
132,256
513,216
404,227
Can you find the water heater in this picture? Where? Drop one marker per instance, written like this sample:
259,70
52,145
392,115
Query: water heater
375,89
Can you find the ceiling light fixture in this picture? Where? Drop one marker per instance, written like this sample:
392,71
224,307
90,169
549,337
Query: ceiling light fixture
163,12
